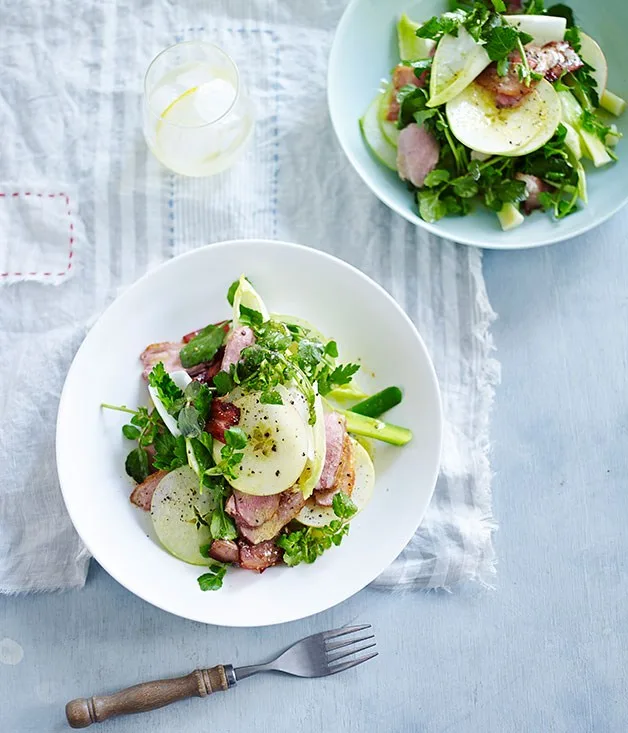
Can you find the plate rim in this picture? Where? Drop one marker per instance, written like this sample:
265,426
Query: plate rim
407,213
62,409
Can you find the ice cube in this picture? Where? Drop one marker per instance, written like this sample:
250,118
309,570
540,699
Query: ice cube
214,98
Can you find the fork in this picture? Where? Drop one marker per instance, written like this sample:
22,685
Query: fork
315,656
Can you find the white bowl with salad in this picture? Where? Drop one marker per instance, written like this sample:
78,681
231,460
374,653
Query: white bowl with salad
237,446
496,123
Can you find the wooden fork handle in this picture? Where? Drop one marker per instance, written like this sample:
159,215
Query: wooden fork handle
148,696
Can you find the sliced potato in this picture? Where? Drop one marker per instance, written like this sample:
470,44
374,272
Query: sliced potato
175,509
313,515
477,123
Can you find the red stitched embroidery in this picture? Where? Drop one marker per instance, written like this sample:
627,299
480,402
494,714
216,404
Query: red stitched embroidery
16,194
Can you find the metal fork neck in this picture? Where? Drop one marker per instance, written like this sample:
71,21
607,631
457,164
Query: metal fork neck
241,673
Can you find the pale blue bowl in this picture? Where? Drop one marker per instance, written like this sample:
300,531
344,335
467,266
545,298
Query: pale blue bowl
365,50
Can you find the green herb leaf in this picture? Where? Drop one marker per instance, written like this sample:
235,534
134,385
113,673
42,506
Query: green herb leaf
221,526
190,422
136,465
131,432
223,383
203,347
200,397
169,451
203,550
563,11
250,317
499,5
431,208
232,291
343,507
212,580
331,349
466,187
501,41
167,391
235,438
534,7
338,377
271,397
436,177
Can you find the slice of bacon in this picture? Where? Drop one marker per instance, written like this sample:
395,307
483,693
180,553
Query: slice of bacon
258,557
167,352
345,476
142,494
534,187
402,76
237,341
206,371
224,551
222,415
551,61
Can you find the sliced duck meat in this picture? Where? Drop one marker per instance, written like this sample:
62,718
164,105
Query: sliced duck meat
222,415
206,371
534,188
224,551
418,152
290,504
166,352
259,557
344,479
335,431
254,510
509,90
237,340
142,494
553,60
403,76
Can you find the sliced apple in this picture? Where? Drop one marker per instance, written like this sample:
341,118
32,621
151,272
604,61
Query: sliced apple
389,128
543,28
411,47
477,123
374,137
457,62
592,54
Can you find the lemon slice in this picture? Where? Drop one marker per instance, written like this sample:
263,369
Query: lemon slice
457,62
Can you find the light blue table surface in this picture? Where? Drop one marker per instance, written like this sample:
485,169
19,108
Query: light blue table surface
544,652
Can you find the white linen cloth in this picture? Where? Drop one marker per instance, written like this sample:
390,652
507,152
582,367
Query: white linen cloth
70,107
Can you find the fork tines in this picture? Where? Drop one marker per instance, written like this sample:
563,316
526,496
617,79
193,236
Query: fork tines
349,647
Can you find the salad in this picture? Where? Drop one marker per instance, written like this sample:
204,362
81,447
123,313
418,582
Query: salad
255,449
496,102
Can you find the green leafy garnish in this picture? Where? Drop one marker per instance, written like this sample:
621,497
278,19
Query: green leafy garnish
170,395
232,291
169,451
250,317
136,464
309,543
212,580
223,382
203,347
560,10
230,454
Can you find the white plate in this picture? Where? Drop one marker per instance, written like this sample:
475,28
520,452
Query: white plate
187,293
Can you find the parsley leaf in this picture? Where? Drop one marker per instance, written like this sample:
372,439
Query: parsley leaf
230,454
431,208
438,175
167,391
340,376
131,432
499,5
534,7
190,422
501,41
203,347
271,397
212,580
